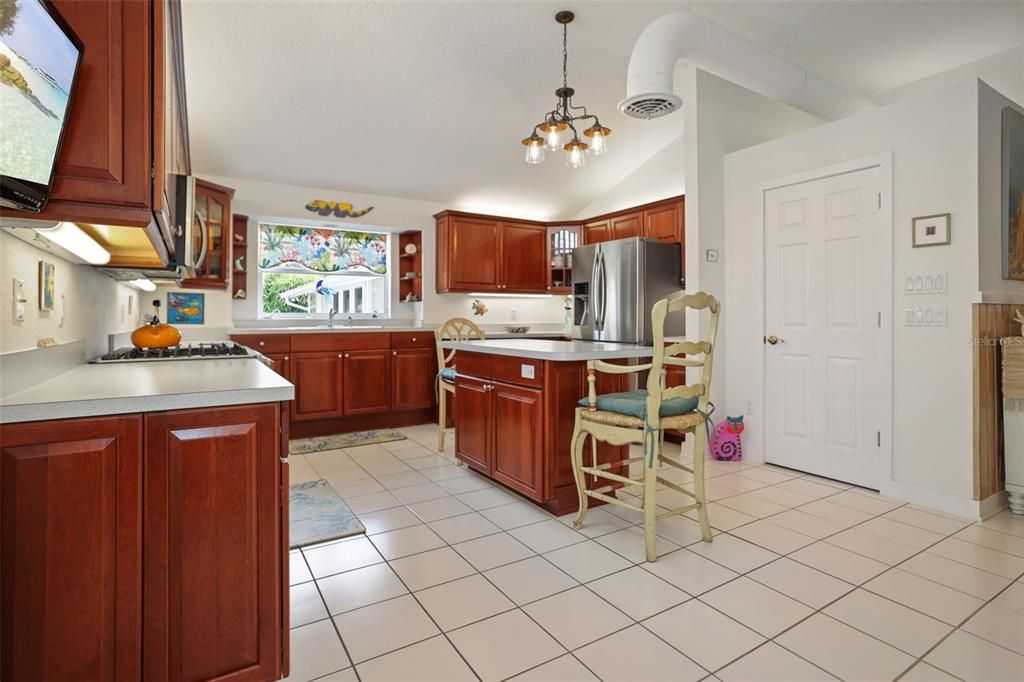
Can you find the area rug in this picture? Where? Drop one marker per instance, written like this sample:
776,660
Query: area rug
317,514
303,446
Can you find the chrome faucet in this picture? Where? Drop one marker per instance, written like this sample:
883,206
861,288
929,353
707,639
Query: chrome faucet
348,321
332,312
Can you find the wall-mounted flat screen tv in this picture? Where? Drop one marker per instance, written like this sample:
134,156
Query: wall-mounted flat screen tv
39,59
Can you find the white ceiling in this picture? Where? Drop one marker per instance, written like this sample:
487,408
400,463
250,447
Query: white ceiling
428,100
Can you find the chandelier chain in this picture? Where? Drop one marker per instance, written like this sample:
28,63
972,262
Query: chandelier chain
565,55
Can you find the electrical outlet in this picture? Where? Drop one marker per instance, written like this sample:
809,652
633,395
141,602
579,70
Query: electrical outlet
18,292
750,407
712,255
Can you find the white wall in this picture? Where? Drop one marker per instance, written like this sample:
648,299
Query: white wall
95,305
719,117
660,177
268,200
994,289
933,139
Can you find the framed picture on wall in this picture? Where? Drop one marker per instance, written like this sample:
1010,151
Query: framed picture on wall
931,230
1013,194
185,308
47,285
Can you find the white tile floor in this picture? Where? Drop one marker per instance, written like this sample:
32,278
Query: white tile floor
807,579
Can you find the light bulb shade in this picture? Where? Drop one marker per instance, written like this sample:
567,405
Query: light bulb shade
70,237
576,154
534,149
598,139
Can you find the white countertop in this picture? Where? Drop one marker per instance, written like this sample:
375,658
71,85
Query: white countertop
541,349
497,334
131,387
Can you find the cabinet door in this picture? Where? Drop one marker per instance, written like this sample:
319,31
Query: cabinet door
318,379
524,258
518,415
597,231
665,222
282,364
212,559
412,378
628,225
367,381
70,505
473,427
213,204
473,254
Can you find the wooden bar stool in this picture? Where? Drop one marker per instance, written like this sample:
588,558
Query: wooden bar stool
455,329
642,416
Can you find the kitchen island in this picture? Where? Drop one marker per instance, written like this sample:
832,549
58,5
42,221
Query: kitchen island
144,521
516,403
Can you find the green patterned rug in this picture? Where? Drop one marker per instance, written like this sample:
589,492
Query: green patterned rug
304,446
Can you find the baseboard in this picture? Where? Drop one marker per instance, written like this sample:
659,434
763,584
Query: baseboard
993,504
944,502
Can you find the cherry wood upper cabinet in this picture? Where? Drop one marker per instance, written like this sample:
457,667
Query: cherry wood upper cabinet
70,521
597,231
628,225
213,204
212,568
110,163
664,221
523,249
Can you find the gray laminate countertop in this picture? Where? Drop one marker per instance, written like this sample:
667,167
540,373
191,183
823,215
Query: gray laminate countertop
561,351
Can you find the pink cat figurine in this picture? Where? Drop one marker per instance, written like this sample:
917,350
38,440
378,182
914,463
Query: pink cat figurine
725,440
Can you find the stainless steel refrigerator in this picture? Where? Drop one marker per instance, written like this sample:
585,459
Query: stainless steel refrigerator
616,283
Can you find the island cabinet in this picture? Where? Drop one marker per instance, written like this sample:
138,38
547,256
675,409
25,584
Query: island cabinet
516,419
145,547
351,381
486,253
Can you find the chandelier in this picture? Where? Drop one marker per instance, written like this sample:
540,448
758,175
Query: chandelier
550,133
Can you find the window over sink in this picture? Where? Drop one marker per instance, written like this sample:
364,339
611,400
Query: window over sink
303,270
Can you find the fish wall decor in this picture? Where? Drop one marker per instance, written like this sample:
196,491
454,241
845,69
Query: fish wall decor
338,209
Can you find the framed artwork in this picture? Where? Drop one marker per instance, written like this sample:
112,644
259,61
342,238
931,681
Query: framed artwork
931,230
47,285
185,308
1013,194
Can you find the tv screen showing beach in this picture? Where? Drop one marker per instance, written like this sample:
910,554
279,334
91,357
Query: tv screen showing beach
37,67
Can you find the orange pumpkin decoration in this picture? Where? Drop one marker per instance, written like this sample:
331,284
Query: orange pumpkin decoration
155,334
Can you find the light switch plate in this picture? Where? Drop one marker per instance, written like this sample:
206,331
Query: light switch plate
527,372
712,255
18,292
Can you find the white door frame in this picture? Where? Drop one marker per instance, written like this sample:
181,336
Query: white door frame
883,162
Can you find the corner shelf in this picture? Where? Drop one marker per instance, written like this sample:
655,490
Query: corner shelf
239,249
410,262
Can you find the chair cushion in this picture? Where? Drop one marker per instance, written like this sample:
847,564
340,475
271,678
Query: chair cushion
632,403
448,374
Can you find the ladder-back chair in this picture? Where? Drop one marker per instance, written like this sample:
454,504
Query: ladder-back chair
455,329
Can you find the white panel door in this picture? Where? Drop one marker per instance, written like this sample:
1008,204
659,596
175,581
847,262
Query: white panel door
827,283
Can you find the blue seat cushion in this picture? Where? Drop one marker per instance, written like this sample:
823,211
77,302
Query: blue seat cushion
633,403
448,374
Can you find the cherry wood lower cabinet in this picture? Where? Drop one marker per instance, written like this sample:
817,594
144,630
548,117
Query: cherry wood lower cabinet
212,559
319,385
517,429
148,547
70,521
367,383
413,371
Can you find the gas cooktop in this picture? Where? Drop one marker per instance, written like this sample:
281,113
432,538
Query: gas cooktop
199,351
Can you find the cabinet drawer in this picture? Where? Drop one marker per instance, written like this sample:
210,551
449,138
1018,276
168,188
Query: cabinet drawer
423,339
340,341
473,364
265,343
521,371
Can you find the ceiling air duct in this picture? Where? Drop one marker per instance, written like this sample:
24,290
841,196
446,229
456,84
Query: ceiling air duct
718,50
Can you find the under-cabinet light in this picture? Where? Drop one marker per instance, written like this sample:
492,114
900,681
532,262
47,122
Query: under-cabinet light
71,237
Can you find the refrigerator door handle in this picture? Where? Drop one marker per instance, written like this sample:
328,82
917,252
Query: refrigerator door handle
595,293
603,305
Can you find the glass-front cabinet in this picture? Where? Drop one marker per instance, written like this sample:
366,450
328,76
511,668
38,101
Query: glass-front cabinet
562,239
213,205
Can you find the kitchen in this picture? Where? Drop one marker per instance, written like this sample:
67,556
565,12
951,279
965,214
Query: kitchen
323,433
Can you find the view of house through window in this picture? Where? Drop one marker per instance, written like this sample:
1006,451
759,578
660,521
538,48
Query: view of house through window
303,271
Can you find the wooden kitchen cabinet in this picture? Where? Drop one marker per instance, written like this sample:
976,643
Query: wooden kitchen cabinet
664,221
213,204
70,521
474,429
627,225
516,450
597,231
319,380
282,364
212,562
413,371
524,260
367,382
126,110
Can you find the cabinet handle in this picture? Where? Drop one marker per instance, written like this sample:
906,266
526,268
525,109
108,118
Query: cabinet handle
340,355
414,339
262,343
394,352
346,355
286,357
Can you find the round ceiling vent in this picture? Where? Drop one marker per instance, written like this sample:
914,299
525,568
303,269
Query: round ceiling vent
649,106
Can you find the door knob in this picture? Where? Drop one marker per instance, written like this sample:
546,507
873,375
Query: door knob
774,340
